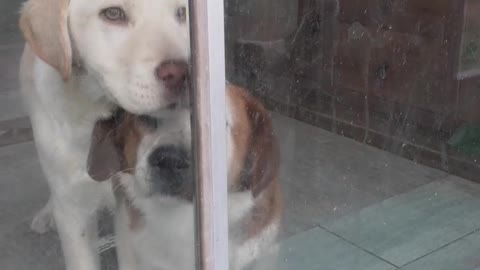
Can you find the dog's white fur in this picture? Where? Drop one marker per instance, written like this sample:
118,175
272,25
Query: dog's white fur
74,68
154,185
166,240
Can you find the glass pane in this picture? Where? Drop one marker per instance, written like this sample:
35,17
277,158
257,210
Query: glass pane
375,107
470,52
96,163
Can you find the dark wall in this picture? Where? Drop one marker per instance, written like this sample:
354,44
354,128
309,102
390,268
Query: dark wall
385,73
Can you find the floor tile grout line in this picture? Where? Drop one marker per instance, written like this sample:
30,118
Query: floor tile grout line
435,180
12,45
369,252
439,248
357,246
15,143
14,119
447,175
416,259
8,126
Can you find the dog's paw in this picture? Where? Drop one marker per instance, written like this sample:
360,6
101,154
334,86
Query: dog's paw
43,221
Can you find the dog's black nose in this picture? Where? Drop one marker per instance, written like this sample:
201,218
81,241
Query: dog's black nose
170,171
169,157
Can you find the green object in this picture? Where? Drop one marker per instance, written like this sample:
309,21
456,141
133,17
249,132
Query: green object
467,140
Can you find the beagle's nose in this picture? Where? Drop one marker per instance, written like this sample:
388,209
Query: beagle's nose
170,171
169,158
172,73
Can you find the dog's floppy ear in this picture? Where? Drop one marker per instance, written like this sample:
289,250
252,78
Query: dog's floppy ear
263,159
105,157
45,27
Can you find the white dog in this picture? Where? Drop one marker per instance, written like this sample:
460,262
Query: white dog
155,188
83,58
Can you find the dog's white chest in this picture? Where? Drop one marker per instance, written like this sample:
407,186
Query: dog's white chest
167,240
62,118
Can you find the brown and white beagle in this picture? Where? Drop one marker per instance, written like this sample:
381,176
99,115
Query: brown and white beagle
150,161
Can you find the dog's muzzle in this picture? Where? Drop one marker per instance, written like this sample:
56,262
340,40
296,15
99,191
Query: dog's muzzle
171,172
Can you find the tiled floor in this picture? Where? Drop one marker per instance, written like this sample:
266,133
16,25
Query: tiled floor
432,227
347,206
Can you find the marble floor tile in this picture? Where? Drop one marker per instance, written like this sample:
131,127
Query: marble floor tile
411,225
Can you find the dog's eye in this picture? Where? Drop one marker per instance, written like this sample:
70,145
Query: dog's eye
182,14
114,14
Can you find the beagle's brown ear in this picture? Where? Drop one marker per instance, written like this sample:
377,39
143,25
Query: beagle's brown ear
263,159
105,157
45,27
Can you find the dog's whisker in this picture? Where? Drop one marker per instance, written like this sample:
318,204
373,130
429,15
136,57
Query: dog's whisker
122,171
117,185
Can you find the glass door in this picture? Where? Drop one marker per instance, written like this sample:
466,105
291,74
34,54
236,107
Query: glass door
259,135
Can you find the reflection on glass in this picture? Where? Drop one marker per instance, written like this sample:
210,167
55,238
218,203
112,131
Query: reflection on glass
379,140
470,49
354,143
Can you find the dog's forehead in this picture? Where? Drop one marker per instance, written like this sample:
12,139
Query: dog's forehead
132,5
174,129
